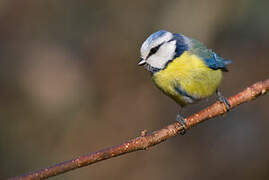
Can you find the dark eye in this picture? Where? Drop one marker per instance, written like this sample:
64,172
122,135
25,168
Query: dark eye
154,50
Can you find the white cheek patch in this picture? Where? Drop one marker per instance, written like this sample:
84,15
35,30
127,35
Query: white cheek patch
162,39
163,55
150,43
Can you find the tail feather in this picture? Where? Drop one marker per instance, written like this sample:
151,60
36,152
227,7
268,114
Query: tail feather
227,61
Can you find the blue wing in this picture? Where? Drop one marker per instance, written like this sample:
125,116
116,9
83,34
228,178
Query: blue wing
215,62
210,58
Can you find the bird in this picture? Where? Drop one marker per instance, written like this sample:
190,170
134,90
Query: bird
183,68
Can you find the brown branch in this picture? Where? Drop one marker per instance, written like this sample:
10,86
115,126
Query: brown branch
147,140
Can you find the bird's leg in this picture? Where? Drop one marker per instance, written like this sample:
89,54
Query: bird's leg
223,100
182,122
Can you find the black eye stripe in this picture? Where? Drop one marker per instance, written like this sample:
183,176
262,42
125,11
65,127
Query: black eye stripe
154,50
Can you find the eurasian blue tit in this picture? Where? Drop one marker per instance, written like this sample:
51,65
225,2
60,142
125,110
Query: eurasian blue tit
183,68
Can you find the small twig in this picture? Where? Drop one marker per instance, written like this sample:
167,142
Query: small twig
147,140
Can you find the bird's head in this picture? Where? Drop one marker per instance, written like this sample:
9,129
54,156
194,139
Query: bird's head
159,49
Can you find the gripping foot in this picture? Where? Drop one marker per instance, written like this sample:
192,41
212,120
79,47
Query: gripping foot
223,100
182,122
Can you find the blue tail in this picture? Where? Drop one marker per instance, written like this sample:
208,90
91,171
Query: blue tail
227,61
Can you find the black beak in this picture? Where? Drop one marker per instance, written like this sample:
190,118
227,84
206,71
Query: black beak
141,62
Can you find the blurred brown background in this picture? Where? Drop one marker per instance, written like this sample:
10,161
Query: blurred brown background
70,84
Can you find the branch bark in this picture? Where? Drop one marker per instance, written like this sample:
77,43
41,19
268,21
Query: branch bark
144,141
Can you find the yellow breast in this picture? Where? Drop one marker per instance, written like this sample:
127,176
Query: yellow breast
189,74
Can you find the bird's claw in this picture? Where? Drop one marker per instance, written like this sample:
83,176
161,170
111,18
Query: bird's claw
182,122
223,100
